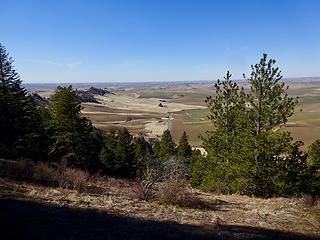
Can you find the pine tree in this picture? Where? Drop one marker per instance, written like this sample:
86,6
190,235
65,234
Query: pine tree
143,155
314,154
107,153
73,137
246,153
34,143
20,124
167,145
156,149
12,98
227,167
314,168
270,104
125,165
270,107
184,149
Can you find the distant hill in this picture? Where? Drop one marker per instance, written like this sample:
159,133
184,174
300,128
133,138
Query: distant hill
97,91
88,95
40,101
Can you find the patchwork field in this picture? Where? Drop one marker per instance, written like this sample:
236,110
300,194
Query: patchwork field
143,108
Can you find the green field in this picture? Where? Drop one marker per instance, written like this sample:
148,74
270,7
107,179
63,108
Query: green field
304,124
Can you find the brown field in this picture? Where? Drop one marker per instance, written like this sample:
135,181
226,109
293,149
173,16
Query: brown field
135,106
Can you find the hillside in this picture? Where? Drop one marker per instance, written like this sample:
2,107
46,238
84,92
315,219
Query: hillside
108,209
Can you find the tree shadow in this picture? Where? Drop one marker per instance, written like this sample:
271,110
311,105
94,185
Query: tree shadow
21,219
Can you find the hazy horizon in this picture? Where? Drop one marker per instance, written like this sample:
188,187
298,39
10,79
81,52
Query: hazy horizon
307,78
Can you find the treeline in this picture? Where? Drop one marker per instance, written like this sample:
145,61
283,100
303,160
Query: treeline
247,151
59,133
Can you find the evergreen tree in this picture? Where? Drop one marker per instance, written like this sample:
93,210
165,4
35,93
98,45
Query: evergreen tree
125,165
156,149
107,153
270,107
228,115
227,167
167,145
295,172
20,125
143,155
34,143
314,154
184,149
270,104
246,152
314,168
73,137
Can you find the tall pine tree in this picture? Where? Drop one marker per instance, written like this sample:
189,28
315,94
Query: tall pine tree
270,107
73,139
21,130
167,145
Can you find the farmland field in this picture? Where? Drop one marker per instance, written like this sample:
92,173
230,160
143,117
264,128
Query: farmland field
136,106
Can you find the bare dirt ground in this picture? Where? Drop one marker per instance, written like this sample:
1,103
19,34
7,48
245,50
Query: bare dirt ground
108,209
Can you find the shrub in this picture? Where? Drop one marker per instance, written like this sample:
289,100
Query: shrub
74,179
172,191
309,200
45,174
52,175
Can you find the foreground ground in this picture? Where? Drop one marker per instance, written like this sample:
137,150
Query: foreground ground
108,209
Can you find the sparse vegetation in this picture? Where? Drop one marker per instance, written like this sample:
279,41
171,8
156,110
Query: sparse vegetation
247,153
53,175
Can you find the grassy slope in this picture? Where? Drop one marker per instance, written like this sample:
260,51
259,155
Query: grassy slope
108,209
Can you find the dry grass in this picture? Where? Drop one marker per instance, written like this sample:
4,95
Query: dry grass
197,208
53,175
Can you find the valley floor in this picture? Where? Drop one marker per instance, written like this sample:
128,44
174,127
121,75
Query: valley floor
107,209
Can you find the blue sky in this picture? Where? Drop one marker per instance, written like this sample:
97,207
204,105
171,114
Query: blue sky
158,40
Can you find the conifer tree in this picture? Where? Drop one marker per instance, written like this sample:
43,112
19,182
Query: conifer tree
227,167
74,139
12,98
107,153
314,154
270,107
246,153
184,149
167,145
143,156
269,101
228,115
21,130
124,155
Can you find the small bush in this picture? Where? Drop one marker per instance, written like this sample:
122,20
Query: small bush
52,175
172,191
309,201
45,174
74,179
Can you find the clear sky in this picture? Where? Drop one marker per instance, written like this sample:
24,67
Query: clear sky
158,40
